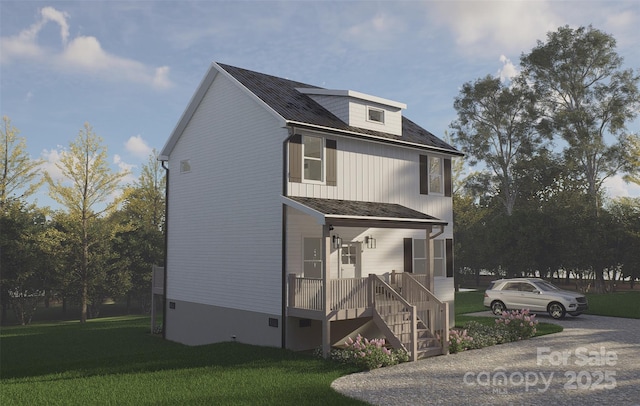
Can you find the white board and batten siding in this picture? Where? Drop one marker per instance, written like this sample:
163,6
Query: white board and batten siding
225,213
376,172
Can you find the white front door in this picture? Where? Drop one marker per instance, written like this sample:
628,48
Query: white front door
350,260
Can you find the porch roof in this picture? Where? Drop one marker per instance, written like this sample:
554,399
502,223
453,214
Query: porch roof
352,213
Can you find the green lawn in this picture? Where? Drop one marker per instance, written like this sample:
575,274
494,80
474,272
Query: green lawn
116,361
619,304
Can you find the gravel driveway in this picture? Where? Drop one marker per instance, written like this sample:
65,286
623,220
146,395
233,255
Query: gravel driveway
595,360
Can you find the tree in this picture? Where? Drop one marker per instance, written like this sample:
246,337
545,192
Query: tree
140,240
24,263
585,96
18,178
496,126
633,157
19,173
92,183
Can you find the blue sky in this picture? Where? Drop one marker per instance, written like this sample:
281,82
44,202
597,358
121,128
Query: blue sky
129,68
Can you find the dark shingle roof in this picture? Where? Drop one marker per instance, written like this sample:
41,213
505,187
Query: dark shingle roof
373,210
281,95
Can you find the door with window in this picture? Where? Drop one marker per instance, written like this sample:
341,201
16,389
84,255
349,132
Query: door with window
350,260
312,258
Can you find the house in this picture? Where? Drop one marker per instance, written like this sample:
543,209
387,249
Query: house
298,216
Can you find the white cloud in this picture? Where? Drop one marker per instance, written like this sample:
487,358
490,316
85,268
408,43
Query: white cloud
480,27
379,32
81,54
124,168
617,187
51,157
137,146
508,70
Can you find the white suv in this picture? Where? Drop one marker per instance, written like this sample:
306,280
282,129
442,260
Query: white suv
534,294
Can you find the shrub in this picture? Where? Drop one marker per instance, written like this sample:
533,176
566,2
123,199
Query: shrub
517,325
511,326
368,354
459,340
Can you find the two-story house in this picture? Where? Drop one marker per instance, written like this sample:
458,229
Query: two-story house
298,216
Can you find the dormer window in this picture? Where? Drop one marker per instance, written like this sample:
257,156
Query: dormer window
375,115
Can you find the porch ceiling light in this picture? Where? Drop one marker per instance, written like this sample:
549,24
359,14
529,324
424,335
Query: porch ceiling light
370,242
337,241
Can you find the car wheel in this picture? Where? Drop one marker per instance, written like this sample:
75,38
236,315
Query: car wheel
575,314
498,307
556,310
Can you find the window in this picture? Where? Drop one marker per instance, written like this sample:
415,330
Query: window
312,258
375,115
185,166
436,177
313,153
419,256
439,258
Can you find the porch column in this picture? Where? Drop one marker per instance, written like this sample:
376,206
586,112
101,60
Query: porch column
326,305
429,260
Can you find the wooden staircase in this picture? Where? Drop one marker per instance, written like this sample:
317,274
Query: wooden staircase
398,320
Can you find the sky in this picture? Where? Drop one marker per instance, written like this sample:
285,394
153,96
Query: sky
129,68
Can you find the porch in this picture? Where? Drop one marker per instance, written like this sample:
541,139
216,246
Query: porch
400,305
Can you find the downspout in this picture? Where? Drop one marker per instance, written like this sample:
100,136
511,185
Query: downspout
283,244
431,237
165,313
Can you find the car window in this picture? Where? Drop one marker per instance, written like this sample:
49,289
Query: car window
546,286
511,286
527,287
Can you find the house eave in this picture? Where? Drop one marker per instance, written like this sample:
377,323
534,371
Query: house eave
394,141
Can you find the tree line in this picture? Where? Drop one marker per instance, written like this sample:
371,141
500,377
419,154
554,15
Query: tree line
101,243
544,143
540,147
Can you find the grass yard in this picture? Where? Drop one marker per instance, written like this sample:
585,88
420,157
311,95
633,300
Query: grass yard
619,304
116,361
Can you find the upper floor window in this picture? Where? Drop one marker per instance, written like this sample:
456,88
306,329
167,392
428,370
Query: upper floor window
436,175
375,115
313,153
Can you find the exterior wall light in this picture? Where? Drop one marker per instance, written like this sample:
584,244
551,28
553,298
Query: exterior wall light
337,241
370,242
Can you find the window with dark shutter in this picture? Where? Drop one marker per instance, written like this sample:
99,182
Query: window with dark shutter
408,254
447,178
332,162
424,182
449,248
295,158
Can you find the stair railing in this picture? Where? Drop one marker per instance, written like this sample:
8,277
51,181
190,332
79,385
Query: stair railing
395,315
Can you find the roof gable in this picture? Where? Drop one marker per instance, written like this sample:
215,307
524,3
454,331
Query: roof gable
281,97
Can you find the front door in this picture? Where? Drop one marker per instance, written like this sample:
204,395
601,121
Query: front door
350,260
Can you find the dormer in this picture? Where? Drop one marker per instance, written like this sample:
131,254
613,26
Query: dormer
360,110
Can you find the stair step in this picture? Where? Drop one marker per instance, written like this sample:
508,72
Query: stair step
431,352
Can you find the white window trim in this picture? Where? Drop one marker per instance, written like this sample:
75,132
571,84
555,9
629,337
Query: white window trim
441,174
370,108
323,161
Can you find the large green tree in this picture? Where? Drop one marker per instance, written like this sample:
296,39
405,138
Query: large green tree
140,239
19,176
587,99
86,191
24,263
19,179
496,126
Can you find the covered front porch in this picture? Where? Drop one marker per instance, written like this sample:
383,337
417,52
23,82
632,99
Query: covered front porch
346,262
